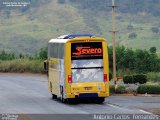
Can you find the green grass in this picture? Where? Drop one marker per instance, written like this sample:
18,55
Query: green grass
22,65
154,76
29,31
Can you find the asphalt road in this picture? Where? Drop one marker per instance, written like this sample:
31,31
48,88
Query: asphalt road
28,94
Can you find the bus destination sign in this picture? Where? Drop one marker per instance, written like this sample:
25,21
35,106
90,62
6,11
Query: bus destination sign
87,50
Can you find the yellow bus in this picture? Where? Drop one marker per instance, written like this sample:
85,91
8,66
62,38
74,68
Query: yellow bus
78,68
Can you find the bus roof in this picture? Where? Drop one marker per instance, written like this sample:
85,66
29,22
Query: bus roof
66,38
58,40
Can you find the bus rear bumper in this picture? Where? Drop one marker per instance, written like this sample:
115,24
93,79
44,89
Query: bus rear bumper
84,95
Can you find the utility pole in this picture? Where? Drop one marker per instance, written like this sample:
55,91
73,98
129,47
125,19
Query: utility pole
113,42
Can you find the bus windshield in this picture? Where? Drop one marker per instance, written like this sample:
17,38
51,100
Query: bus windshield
87,62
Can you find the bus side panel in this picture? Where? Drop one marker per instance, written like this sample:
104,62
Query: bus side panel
53,76
106,65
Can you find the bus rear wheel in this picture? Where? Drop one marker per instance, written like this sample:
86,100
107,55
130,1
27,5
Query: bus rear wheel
54,96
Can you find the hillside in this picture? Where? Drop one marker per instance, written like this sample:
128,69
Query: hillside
27,29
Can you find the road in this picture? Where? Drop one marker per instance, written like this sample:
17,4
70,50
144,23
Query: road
28,94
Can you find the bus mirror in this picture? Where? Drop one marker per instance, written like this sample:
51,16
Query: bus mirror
46,65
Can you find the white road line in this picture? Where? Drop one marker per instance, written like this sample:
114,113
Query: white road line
145,112
114,106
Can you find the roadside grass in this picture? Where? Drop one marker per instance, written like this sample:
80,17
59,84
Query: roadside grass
22,65
153,76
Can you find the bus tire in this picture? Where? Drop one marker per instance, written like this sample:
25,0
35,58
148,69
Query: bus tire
54,96
99,100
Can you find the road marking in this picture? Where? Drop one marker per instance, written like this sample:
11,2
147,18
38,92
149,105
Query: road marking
145,112
114,106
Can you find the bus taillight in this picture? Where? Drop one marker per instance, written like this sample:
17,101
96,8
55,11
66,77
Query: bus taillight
69,78
105,77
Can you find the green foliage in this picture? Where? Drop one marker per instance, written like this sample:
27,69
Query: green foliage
150,89
130,27
43,53
35,26
153,76
132,79
120,89
22,65
135,60
153,49
140,78
155,29
128,79
132,35
6,56
126,6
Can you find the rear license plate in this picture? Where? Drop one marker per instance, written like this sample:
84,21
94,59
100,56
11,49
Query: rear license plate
88,88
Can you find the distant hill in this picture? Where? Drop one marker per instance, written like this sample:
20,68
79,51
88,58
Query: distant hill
27,29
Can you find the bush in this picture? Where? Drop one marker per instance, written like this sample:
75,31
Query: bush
43,53
132,35
153,50
112,89
153,76
128,79
140,78
150,89
120,89
155,29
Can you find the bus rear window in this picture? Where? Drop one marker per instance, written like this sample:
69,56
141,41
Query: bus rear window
86,50
87,62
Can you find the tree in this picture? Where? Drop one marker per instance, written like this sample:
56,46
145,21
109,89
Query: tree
43,53
155,30
130,27
132,35
153,50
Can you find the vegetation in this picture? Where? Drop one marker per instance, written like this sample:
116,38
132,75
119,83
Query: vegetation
150,89
135,60
9,62
153,49
127,59
141,79
128,79
132,35
120,89
22,65
27,29
153,76
132,79
155,29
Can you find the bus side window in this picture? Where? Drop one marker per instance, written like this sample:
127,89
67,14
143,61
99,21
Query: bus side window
55,50
61,51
